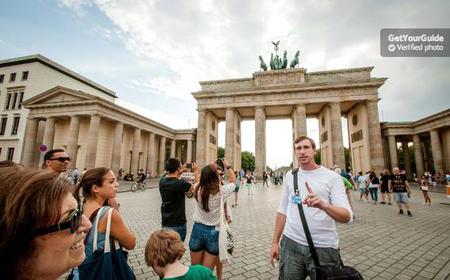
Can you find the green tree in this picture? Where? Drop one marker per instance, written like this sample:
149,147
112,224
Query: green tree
348,162
247,161
220,152
317,156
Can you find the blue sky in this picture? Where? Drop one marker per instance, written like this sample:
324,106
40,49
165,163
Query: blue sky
152,53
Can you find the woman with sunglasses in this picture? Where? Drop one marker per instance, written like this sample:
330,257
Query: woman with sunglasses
41,228
98,185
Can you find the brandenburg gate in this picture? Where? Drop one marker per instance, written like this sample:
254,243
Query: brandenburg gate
295,94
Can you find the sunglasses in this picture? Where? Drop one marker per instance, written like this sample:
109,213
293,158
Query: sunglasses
73,223
62,159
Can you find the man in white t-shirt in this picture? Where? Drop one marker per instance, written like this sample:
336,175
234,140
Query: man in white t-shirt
323,194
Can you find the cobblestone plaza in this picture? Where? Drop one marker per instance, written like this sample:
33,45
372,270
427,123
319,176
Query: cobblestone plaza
380,243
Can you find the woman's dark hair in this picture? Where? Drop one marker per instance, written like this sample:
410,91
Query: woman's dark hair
30,199
94,176
209,183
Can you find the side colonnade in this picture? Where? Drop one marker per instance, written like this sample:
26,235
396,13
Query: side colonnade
95,132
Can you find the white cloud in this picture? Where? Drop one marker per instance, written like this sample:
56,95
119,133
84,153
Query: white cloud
162,117
76,5
190,41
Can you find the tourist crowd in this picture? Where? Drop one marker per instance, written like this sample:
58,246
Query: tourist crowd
52,224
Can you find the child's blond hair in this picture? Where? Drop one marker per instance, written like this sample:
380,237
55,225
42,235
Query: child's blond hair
163,247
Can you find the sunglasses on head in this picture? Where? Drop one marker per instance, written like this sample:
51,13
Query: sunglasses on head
73,223
62,159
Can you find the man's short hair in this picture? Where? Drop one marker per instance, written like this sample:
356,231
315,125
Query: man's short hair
48,155
172,164
163,247
301,138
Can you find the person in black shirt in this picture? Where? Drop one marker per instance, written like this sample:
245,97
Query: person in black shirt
172,190
385,187
401,190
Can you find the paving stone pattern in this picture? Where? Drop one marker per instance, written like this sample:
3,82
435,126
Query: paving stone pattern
380,243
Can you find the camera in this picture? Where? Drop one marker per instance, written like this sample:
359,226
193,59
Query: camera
189,165
219,163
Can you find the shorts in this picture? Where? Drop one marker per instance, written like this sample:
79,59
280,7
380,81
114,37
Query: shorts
204,238
181,230
401,197
384,189
362,190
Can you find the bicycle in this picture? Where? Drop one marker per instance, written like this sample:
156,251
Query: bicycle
136,185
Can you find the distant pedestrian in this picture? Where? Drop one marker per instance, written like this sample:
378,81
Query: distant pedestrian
386,187
374,184
249,183
401,190
236,190
424,188
362,185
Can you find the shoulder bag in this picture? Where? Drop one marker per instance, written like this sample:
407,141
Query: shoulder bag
106,263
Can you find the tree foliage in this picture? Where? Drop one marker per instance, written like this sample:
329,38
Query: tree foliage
247,161
220,152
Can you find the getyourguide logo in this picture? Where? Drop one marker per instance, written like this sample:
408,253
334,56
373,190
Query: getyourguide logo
411,38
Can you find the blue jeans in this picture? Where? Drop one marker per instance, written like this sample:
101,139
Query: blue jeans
181,231
296,261
204,238
374,193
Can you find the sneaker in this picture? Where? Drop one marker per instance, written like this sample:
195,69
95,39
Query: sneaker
409,213
389,203
401,212
382,202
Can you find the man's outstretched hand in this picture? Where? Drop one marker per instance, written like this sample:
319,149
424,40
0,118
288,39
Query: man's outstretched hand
313,199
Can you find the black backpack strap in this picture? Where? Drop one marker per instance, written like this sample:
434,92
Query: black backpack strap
312,249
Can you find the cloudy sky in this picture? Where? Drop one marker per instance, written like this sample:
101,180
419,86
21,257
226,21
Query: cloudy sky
153,53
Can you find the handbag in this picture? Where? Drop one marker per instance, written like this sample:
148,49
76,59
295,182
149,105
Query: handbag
226,244
106,263
323,272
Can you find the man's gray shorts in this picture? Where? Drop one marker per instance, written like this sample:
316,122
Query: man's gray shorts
401,197
296,261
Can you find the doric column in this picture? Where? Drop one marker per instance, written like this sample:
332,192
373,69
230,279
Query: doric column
201,139
91,146
173,146
151,166
116,151
406,159
162,154
189,151
260,140
393,151
299,126
337,143
418,155
300,120
49,133
72,140
136,150
230,136
29,148
436,149
376,146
